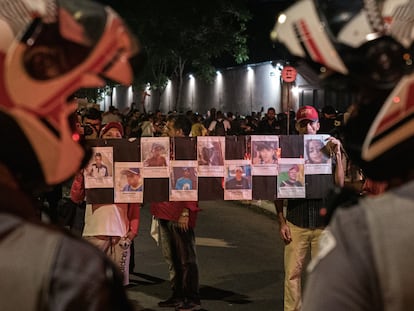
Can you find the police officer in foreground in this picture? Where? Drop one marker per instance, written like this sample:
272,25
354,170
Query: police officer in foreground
48,50
366,252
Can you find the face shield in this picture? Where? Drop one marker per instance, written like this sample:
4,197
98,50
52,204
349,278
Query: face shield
84,44
68,45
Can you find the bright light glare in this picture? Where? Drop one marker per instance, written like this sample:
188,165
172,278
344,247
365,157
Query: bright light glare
75,137
281,19
250,74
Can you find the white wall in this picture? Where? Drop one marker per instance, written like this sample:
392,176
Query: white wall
235,89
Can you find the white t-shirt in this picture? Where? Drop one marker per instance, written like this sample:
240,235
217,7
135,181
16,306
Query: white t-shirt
110,219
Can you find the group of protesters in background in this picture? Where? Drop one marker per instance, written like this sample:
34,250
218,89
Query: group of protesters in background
215,122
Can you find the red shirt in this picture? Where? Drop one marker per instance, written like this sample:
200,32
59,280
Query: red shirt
172,210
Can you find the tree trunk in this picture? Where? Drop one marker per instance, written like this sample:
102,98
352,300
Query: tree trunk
180,73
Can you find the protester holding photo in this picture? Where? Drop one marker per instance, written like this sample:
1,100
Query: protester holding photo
303,225
177,221
110,227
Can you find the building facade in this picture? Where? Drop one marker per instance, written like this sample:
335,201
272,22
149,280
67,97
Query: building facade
241,90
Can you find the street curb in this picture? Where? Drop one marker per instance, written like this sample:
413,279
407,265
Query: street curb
264,206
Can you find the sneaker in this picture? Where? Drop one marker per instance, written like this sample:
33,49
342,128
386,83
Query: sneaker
188,306
170,302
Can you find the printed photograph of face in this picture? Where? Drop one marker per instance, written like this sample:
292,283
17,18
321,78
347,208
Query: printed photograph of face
237,179
293,177
185,178
98,167
264,153
210,154
156,156
314,153
133,178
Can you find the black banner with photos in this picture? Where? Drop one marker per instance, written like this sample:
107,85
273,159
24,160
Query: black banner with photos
242,153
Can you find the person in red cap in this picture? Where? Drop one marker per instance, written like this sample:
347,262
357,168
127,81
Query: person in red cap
303,224
307,117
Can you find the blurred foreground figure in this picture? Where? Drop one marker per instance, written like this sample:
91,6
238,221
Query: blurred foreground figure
48,50
366,252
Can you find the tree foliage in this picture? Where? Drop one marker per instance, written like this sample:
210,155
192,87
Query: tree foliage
186,36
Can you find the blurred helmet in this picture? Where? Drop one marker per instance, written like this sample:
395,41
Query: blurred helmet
48,50
368,44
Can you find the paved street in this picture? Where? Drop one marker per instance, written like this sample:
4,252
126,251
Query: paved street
240,260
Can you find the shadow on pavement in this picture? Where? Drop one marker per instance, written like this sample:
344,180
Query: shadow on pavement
212,293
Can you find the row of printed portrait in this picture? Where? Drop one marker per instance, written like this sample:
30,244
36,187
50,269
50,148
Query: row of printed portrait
185,163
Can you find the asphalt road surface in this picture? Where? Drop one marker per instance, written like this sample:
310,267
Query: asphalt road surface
240,259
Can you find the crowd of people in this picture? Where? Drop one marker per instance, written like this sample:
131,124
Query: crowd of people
211,123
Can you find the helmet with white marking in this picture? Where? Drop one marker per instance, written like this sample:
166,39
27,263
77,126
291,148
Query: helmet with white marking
368,44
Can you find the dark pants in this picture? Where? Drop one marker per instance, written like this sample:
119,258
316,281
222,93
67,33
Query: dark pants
78,219
179,252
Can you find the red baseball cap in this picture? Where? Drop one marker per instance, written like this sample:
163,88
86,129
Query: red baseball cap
307,113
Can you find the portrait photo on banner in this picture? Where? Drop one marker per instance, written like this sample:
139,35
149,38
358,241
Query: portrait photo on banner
317,154
265,152
291,178
238,180
183,181
105,170
210,156
99,171
155,155
129,182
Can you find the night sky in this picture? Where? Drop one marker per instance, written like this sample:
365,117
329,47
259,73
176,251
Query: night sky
264,14
264,17
261,48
